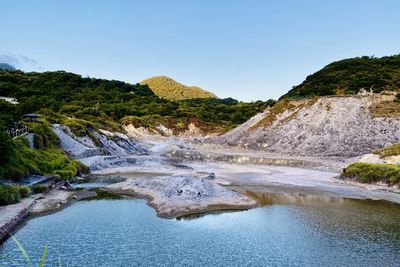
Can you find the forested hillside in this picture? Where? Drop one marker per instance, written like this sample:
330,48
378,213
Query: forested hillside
168,88
105,102
349,76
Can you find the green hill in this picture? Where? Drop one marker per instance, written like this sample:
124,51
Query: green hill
170,89
106,102
348,76
87,104
6,66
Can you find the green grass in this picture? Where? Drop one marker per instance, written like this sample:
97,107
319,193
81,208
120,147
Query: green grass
393,150
372,173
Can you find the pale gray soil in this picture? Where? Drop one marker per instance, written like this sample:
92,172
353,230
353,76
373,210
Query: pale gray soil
331,126
174,196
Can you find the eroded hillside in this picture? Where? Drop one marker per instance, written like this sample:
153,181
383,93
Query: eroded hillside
324,126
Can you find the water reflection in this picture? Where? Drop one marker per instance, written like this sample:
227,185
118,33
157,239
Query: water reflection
266,198
282,233
369,219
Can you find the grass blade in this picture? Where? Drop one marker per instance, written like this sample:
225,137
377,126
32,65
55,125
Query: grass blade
43,256
59,261
27,259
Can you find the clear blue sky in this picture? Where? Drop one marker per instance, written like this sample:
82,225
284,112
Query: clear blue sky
248,49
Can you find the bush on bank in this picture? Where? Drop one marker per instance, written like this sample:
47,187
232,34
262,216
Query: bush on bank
10,194
372,173
47,158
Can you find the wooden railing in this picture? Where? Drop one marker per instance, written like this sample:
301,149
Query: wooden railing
15,132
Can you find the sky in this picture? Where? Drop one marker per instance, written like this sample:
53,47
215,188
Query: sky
246,49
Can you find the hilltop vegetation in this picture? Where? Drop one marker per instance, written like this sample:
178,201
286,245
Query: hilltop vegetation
69,98
170,89
349,76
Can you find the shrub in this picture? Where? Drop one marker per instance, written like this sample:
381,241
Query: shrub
387,151
78,167
10,194
24,191
39,188
372,173
48,161
65,174
70,109
38,141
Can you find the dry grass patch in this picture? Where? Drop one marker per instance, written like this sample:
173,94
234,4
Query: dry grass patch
388,151
385,109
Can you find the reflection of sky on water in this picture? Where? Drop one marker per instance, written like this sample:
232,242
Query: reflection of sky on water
314,232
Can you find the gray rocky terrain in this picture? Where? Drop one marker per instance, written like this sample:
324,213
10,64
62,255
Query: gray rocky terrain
114,148
174,196
329,126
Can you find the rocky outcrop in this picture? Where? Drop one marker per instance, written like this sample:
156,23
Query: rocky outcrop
175,196
119,144
327,126
113,149
74,146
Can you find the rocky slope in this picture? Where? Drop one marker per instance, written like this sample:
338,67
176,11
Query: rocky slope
325,126
112,148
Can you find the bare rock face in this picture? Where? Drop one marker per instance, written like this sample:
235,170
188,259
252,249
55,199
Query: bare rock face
76,147
328,126
112,150
174,196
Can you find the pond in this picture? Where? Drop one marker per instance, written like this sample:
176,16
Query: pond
288,230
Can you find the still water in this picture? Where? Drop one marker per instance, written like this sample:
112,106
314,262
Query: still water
287,231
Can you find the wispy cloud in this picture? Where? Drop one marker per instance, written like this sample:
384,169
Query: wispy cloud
20,62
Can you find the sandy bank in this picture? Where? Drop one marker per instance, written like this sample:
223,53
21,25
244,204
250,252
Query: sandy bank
175,196
53,200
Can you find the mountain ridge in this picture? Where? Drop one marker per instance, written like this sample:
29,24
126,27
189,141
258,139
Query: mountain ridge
6,66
